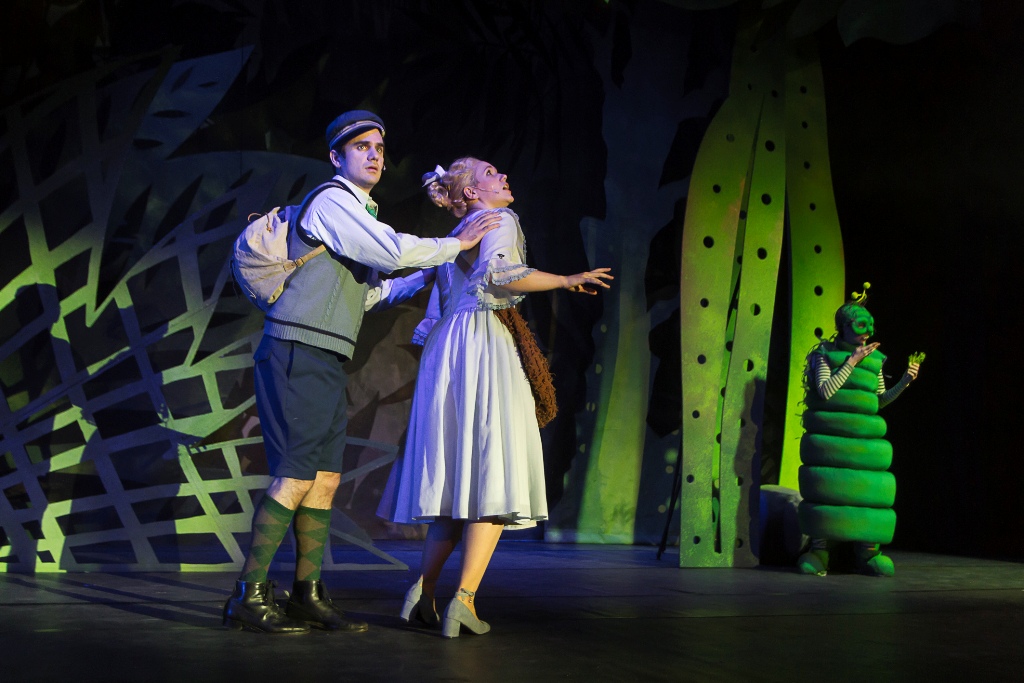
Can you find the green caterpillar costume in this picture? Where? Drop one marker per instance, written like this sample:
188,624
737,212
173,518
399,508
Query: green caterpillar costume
847,490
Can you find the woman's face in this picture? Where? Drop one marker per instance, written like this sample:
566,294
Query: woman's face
491,189
859,329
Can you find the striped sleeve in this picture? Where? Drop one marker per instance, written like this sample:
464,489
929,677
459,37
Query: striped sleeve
887,396
827,382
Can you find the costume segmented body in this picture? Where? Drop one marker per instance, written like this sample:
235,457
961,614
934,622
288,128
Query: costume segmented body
847,490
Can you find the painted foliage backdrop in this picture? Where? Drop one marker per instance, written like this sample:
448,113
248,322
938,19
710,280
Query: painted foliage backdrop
135,138
135,143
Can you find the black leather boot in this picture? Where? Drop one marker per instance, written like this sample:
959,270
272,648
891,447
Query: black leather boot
252,606
311,603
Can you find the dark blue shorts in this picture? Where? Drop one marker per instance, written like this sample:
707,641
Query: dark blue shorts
300,396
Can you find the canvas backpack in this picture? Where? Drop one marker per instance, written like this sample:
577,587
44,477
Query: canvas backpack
259,259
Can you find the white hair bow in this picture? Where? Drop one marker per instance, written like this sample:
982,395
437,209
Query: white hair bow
438,174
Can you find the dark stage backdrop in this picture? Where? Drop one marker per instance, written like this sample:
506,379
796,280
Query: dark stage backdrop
137,136
926,151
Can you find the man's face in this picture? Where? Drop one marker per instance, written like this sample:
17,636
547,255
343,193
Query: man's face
361,159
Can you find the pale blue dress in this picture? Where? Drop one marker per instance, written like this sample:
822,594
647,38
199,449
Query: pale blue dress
473,447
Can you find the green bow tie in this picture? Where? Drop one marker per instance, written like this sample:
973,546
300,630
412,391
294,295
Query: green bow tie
371,208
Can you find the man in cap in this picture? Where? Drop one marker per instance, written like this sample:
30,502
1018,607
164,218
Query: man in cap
308,335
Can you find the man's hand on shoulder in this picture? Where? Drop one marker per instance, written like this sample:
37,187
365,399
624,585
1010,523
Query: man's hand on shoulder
478,226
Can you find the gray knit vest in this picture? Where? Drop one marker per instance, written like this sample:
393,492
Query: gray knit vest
322,304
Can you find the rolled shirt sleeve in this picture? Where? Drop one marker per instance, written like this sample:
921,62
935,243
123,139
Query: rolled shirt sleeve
343,224
384,294
433,314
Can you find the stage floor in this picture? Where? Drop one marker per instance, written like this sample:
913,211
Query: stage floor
558,613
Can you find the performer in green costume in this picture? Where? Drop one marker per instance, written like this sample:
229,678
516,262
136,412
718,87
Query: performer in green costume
847,490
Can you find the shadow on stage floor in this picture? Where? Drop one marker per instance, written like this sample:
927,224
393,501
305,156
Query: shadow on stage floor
558,612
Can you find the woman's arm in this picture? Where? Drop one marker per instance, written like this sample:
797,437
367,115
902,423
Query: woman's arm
582,283
826,382
499,249
887,396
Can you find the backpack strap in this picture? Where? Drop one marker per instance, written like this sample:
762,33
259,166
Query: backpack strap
304,236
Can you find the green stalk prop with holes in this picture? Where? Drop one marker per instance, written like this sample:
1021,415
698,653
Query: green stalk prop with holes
816,243
731,246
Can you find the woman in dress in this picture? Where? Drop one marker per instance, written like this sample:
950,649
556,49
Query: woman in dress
473,462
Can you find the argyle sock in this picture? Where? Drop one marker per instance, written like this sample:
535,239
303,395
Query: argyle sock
312,527
269,526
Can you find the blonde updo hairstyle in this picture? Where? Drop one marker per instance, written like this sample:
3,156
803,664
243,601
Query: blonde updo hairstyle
446,191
